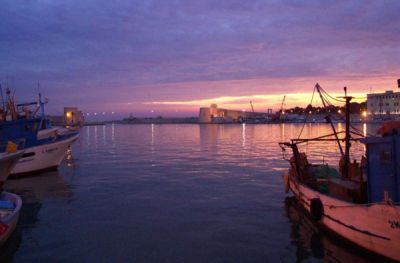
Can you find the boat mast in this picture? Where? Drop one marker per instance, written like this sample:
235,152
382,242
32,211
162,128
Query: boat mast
348,135
317,86
41,103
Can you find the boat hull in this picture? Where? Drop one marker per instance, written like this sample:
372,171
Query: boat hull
375,227
7,163
9,218
43,157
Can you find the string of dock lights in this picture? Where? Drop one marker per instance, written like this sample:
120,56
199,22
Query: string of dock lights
99,113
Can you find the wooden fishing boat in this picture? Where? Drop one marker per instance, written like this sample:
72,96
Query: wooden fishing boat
10,207
360,200
10,204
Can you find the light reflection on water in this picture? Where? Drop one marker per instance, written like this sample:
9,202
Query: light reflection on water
178,193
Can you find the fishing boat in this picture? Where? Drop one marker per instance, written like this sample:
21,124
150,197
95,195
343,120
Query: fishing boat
26,124
8,160
358,201
10,204
10,207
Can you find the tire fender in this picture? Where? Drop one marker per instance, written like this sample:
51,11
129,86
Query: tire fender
316,209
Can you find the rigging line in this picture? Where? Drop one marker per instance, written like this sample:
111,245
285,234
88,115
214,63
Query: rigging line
331,96
357,133
356,129
327,96
305,120
360,131
317,86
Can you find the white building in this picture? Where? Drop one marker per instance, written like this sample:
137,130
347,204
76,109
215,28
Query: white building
387,103
213,114
73,116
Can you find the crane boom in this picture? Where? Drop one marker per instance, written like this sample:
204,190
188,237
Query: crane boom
281,112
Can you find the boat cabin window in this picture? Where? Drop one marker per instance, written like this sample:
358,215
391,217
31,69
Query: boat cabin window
31,127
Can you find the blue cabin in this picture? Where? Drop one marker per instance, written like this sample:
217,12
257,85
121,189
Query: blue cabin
22,131
383,167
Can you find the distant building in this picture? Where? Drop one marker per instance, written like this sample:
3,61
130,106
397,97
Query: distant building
73,117
213,114
380,104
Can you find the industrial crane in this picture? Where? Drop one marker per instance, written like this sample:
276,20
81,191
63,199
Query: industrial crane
252,108
282,112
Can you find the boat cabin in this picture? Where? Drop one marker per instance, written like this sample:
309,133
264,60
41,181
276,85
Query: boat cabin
383,163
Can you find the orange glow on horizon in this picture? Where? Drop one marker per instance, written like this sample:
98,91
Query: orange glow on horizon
261,102
265,93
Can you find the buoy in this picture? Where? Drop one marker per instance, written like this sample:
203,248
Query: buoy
286,183
316,209
11,147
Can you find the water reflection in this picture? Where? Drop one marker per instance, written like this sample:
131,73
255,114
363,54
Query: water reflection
365,129
282,128
244,135
104,134
182,192
313,242
113,132
209,135
95,136
34,191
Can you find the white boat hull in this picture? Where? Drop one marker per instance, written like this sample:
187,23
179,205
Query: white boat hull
43,157
375,227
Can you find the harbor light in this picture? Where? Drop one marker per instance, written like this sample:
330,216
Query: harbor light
364,113
339,111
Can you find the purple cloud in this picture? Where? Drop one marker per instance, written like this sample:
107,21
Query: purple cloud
94,54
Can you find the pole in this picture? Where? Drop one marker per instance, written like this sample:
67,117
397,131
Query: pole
348,136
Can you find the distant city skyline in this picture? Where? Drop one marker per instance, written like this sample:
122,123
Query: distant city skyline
168,58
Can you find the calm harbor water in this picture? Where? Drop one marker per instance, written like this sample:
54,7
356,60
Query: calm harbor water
173,193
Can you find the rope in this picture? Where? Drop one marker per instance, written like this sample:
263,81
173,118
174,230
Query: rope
305,120
326,93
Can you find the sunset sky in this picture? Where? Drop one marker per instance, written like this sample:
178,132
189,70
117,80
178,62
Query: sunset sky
171,57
